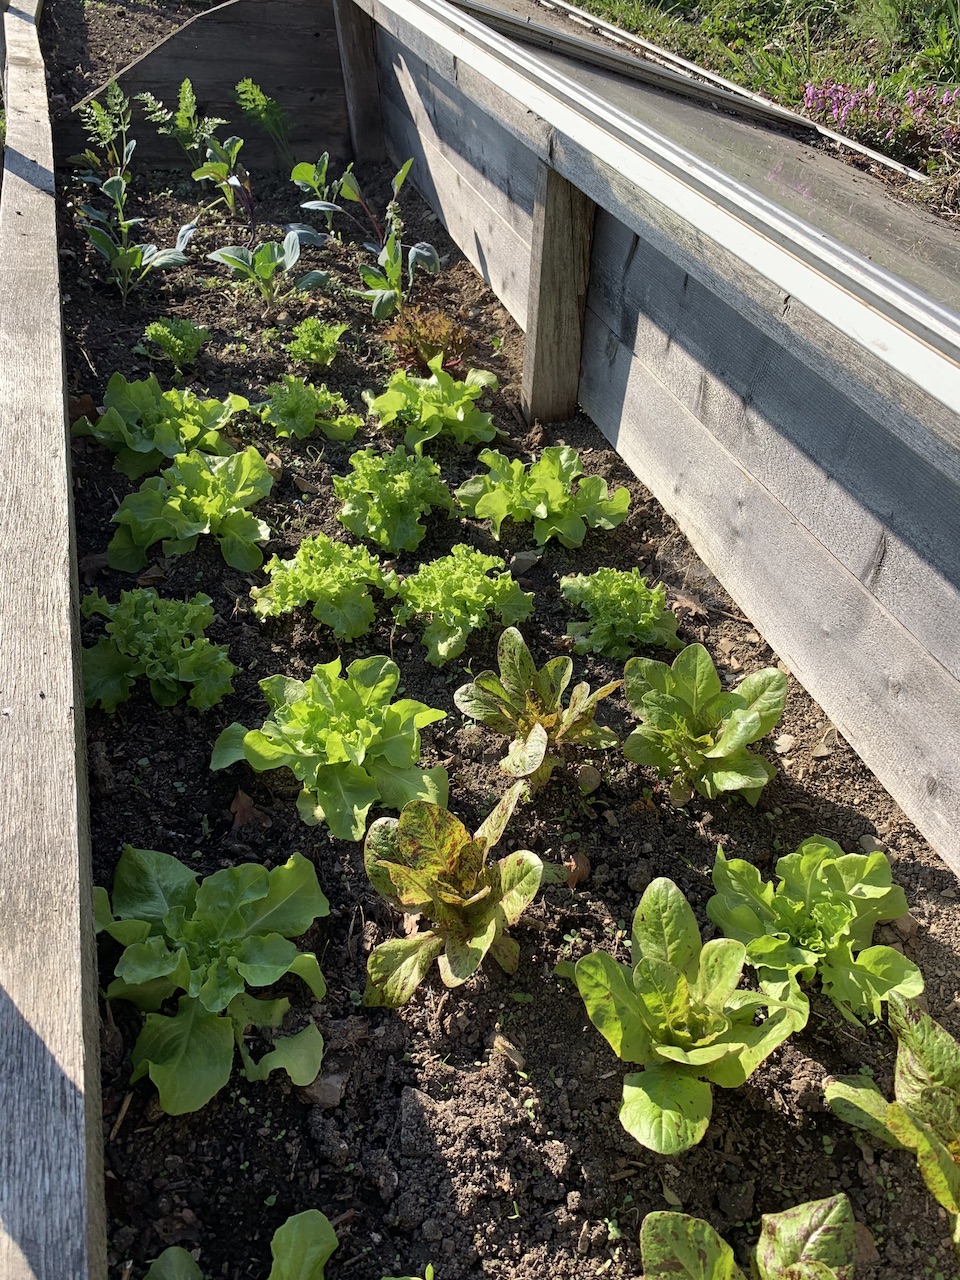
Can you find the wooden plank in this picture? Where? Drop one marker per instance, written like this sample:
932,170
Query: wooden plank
51,1188
886,513
491,245
288,47
896,706
559,272
356,41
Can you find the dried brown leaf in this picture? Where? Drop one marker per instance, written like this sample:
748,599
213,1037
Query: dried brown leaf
246,813
578,865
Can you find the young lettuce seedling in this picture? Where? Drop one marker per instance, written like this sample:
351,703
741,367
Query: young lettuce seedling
301,1249
438,405
315,343
527,704
547,492
625,613
925,1116
817,922
297,408
385,494
676,1011
695,733
427,864
179,340
812,1241
211,942
162,640
345,740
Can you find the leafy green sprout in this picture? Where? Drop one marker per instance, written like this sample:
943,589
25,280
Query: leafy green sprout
267,114
178,339
185,126
269,268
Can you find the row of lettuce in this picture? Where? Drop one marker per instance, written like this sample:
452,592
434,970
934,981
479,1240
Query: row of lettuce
675,1010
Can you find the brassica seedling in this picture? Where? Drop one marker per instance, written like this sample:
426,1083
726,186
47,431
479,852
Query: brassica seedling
527,705
300,1249
346,742
128,263
210,942
438,405
269,268
624,613
696,734
159,640
385,494
297,408
222,167
427,864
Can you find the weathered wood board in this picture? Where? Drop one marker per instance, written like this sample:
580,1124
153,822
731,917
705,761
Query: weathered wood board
288,47
51,1172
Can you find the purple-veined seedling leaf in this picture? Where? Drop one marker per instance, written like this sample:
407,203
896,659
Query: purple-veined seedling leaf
677,1247
820,1231
396,968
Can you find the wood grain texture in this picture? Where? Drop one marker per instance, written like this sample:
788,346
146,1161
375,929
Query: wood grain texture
51,1174
288,47
356,40
885,512
559,272
896,705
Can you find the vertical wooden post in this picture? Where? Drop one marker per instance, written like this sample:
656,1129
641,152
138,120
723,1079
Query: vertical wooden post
356,37
559,271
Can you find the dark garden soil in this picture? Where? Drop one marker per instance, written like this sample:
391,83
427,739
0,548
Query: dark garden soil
475,1128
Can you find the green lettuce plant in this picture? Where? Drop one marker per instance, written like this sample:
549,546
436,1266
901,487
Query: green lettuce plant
314,342
185,126
812,1241
144,425
385,494
427,864
549,492
297,408
527,705
269,268
696,734
179,340
438,405
817,922
332,576
624,613
456,595
197,495
676,1011
159,640
210,941
925,1115
300,1249
346,742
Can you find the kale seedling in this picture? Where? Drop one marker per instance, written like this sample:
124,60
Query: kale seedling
438,405
624,613
695,733
812,1241
676,1011
527,704
332,576
427,864
161,640
300,1249
348,744
189,130
297,408
222,167
210,942
269,268
314,342
548,492
457,595
197,495
144,425
925,1116
817,922
385,494
179,340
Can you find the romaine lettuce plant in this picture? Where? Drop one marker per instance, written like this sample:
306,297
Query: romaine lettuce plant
385,494
456,595
625,613
179,340
269,268
676,1011
812,1241
925,1116
695,733
297,408
314,342
427,864
211,941
301,1249
344,739
527,704
144,425
332,576
548,492
197,495
161,640
438,405
817,922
